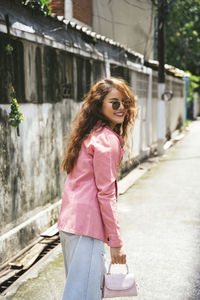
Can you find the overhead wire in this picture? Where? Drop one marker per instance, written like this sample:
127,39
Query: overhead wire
149,33
120,23
111,13
145,40
136,6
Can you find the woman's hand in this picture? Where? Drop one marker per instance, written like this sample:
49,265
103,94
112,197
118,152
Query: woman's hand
118,255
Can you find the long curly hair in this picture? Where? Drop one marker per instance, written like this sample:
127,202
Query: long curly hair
91,112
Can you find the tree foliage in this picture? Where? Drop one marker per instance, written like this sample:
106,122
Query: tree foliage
40,5
183,35
194,85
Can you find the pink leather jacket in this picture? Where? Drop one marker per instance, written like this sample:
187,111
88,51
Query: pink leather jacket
89,198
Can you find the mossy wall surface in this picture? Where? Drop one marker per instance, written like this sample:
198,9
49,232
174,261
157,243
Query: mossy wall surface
49,85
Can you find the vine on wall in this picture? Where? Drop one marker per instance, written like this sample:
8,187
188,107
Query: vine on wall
15,117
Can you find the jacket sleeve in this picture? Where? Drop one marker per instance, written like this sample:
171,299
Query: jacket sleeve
106,156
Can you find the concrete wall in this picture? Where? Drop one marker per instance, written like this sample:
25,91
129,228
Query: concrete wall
131,23
31,176
196,105
175,109
145,88
30,164
49,86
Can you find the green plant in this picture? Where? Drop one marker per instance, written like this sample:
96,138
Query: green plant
194,83
40,5
15,116
9,49
187,123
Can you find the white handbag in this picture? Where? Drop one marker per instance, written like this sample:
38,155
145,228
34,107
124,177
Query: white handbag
119,285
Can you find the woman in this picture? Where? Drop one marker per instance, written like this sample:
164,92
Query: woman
88,215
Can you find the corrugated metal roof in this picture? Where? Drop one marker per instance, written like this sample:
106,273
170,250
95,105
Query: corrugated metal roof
69,33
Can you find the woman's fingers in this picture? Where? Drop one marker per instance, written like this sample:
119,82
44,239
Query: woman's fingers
122,259
119,259
118,255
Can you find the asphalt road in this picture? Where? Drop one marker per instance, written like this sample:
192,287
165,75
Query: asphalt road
160,222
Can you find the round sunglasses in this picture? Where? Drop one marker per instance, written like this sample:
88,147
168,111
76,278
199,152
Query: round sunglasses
116,104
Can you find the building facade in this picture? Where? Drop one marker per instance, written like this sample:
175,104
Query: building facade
131,23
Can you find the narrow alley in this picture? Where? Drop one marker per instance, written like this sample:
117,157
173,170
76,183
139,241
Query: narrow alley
160,222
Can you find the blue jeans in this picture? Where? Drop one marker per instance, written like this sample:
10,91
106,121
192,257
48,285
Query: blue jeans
84,267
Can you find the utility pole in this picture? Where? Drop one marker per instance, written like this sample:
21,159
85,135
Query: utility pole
161,122
161,40
163,7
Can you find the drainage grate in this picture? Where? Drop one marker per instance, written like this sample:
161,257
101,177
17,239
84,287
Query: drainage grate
7,283
12,272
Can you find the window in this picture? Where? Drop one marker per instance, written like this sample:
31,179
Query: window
97,70
119,71
51,75
66,75
11,69
58,74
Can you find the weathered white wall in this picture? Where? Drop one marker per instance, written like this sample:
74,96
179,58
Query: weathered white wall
175,109
131,23
30,176
145,88
34,159
141,85
196,105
